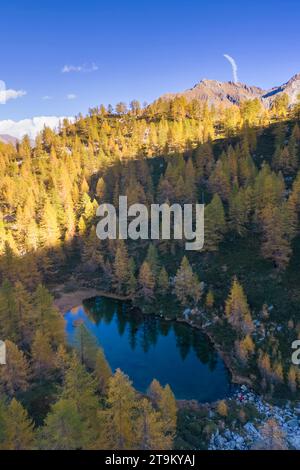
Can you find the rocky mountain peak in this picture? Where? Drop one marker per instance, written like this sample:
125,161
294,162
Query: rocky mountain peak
215,92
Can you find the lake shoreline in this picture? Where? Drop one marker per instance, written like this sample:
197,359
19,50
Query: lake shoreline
68,300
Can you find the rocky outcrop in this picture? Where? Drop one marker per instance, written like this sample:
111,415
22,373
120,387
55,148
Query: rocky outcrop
215,93
287,417
291,88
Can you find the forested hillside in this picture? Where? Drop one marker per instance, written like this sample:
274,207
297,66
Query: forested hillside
243,288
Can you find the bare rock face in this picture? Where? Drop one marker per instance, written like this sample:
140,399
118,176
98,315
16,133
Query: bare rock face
291,88
215,93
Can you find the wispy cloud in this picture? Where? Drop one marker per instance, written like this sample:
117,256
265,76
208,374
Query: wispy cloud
30,127
9,94
79,68
234,67
71,96
46,98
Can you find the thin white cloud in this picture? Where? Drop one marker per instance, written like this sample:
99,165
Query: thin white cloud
31,126
79,68
47,98
9,94
234,67
71,96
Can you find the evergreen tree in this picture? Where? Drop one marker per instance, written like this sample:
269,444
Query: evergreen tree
155,391
245,348
86,345
19,432
50,232
165,402
163,281
62,360
49,320
214,224
121,271
63,428
219,181
186,285
238,213
119,418
153,260
102,371
14,376
237,309
150,429
43,358
278,228
8,312
80,386
146,281
25,314
264,365
100,189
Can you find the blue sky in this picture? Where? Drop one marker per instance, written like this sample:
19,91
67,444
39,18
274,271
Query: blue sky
138,49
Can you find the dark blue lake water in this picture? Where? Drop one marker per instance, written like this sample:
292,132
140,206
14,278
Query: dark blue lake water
147,347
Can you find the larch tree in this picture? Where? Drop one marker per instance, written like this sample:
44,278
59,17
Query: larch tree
186,284
152,259
150,433
237,309
120,415
100,189
121,269
277,228
19,431
164,400
25,314
61,360
102,371
86,345
155,391
42,355
8,312
163,281
49,320
63,428
14,376
146,282
244,348
80,386
222,408
168,409
215,224
238,213
50,232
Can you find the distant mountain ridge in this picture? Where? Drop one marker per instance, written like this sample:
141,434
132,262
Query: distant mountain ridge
215,92
8,139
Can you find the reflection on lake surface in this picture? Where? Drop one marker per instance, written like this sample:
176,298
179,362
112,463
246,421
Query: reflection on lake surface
147,347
